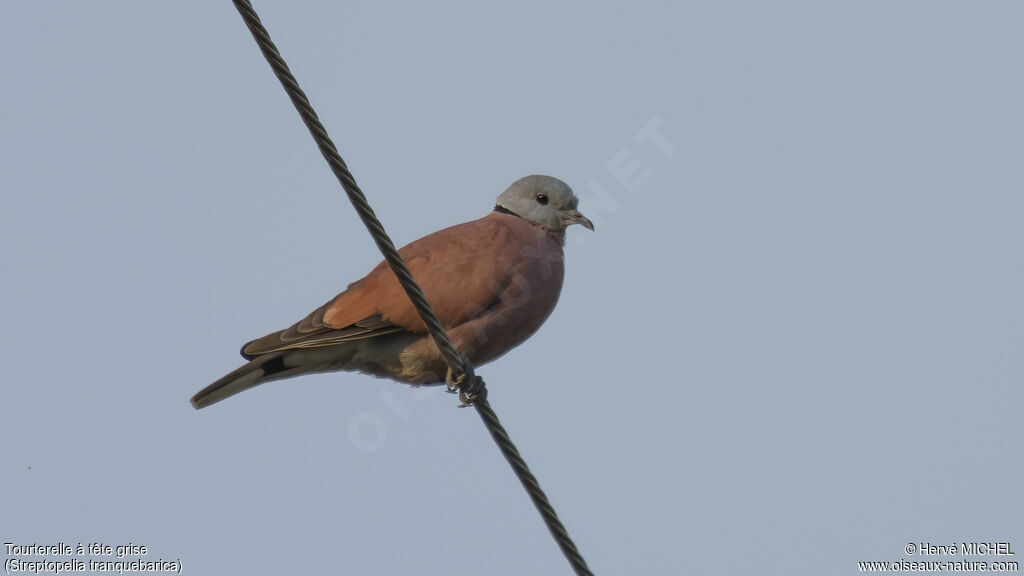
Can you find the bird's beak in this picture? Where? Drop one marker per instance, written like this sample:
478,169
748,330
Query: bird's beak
570,217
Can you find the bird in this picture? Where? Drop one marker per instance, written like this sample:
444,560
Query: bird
492,283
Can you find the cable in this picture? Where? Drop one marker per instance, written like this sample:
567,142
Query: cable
473,389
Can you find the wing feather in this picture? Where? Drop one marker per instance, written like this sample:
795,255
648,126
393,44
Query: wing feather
459,278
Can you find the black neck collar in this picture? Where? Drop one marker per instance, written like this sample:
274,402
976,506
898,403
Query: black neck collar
503,210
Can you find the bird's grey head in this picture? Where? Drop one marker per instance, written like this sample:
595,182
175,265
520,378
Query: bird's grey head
544,200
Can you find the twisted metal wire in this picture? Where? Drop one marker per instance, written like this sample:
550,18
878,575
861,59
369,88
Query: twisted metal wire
529,481
471,386
461,371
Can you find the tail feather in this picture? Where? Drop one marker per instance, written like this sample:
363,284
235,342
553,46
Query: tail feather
380,356
261,369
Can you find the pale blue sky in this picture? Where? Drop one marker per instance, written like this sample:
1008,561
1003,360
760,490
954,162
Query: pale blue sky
795,345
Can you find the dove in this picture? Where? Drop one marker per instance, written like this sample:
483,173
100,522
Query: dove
492,283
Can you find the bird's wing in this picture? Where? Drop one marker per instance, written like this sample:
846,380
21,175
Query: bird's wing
461,270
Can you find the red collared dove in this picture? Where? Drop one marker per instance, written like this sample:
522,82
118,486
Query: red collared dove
492,282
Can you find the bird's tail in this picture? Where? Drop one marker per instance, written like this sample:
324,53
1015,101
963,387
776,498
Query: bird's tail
260,369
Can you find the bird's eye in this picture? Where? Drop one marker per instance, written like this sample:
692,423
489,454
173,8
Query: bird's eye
542,198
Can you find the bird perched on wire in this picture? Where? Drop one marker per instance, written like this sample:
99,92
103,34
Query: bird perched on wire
492,282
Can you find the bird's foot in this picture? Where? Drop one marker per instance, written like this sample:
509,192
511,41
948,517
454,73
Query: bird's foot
468,394
451,383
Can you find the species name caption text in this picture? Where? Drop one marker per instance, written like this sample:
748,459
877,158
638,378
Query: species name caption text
954,557
61,558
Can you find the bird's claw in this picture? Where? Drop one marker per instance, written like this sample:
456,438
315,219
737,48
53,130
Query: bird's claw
466,399
453,384
468,395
